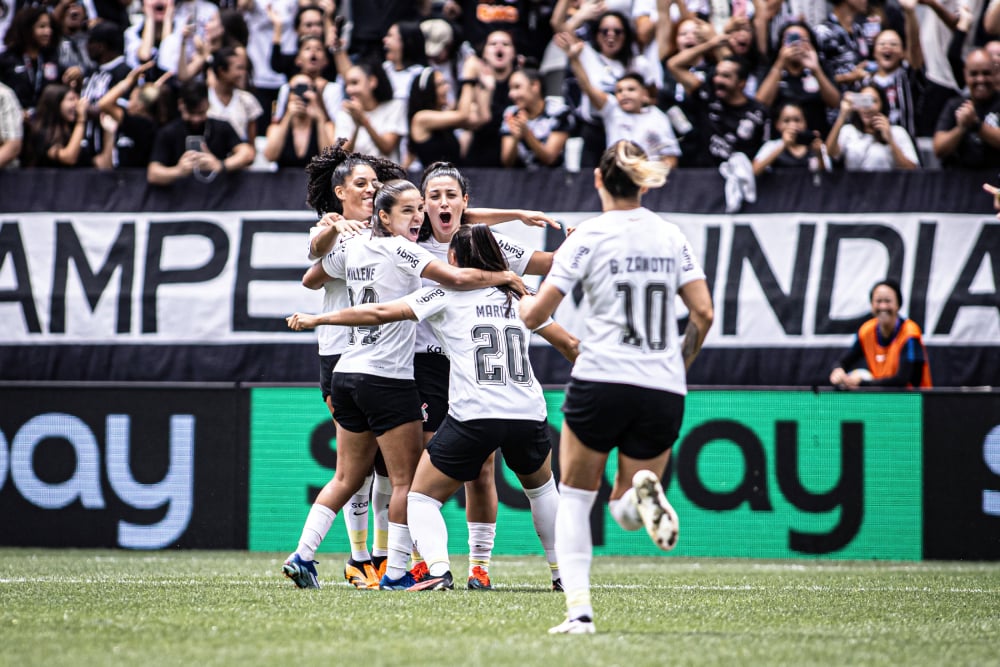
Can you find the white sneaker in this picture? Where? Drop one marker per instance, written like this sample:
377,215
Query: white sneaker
657,515
573,626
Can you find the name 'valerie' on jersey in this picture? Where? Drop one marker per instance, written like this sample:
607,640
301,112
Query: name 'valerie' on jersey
645,264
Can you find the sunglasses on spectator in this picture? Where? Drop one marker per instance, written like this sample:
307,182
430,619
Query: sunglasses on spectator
611,31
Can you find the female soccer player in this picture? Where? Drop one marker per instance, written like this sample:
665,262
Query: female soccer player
341,189
446,197
373,388
494,399
627,387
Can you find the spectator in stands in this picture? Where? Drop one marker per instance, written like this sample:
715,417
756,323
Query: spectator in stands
690,32
892,347
228,98
264,19
137,121
492,68
11,127
303,131
71,17
629,112
373,122
191,19
842,43
30,61
310,21
433,122
440,46
405,56
611,53
936,22
311,60
799,77
728,120
968,130
55,135
106,48
371,20
196,144
899,72
865,139
143,37
798,146
535,129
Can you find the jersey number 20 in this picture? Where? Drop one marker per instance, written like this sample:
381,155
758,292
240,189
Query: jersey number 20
511,345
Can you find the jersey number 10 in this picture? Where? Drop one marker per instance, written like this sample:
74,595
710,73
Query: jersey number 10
655,323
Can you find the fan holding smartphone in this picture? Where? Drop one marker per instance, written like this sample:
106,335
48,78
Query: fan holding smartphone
863,137
797,148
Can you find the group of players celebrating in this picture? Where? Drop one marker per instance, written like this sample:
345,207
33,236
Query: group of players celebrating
424,367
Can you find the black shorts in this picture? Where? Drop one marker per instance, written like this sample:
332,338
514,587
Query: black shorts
327,362
363,402
642,423
459,449
431,371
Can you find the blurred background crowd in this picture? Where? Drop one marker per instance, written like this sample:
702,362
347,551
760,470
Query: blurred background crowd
195,87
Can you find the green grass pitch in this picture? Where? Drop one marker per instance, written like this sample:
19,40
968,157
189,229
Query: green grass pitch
74,607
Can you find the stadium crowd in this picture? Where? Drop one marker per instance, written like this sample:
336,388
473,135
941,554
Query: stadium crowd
194,88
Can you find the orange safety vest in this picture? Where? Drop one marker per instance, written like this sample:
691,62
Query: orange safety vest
883,360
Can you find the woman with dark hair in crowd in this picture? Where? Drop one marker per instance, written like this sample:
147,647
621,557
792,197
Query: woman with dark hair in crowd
371,119
374,393
228,97
891,346
30,61
628,384
488,408
433,124
863,137
138,121
55,134
535,128
303,131
404,56
798,146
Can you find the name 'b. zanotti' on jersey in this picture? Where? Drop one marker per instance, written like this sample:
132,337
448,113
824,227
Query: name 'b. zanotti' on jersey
646,259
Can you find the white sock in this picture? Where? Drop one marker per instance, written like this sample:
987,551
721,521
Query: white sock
381,494
317,526
400,546
574,548
625,511
429,532
544,503
481,538
356,518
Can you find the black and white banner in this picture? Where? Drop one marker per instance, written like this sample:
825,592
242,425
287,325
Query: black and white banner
217,278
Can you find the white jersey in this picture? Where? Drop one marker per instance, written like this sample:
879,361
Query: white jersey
487,344
650,128
332,339
631,264
517,254
379,270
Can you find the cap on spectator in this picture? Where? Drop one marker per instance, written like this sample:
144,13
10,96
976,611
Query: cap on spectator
438,34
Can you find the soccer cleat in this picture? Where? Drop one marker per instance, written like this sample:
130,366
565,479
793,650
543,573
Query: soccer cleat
361,574
657,515
301,572
557,585
574,626
401,584
379,563
419,571
479,580
443,583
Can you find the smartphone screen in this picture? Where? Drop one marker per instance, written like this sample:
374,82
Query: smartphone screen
194,143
